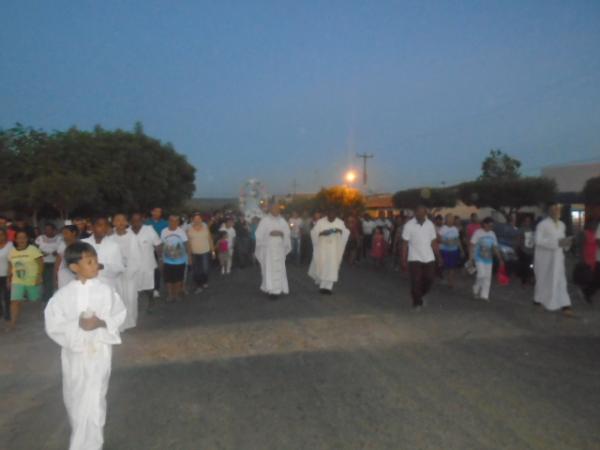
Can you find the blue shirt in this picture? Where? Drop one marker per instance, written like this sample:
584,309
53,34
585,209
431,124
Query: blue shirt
158,225
484,241
174,246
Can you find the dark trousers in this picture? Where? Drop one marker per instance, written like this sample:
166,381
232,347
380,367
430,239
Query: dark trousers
200,268
4,298
590,288
421,279
366,247
48,279
157,274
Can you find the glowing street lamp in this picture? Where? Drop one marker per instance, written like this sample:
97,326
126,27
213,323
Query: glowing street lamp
350,176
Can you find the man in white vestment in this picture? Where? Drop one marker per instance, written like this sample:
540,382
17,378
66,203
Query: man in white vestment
127,283
329,237
273,243
109,253
549,263
150,244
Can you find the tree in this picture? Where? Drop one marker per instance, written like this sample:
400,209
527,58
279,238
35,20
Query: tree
499,165
430,197
340,198
112,170
508,195
591,191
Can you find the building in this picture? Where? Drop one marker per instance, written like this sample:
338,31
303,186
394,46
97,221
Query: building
570,180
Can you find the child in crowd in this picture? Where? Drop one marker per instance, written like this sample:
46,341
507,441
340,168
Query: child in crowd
484,245
378,247
231,236
62,274
26,268
224,254
48,243
83,317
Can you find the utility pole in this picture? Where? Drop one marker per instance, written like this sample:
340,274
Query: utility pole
294,186
364,157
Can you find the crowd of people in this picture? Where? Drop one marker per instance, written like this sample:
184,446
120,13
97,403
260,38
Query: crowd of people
92,272
140,253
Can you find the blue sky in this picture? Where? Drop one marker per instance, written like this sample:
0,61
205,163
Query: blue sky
288,90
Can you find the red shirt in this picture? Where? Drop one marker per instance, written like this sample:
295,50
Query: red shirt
471,229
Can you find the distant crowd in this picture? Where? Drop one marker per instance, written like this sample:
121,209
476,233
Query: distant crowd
180,252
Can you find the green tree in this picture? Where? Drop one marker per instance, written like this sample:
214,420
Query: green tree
340,198
508,195
430,197
499,165
112,170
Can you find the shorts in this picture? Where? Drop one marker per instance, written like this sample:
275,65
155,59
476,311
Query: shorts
174,273
19,292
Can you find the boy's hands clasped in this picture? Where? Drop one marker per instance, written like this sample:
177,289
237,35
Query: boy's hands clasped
91,323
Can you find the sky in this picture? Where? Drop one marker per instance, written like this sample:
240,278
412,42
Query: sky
289,91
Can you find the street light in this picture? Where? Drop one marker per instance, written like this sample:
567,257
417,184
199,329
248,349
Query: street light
350,176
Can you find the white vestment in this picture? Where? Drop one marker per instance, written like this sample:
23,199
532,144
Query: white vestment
147,240
271,252
109,255
328,251
127,283
85,355
549,266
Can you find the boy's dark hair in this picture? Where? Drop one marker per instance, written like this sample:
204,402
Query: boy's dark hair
75,251
99,217
222,234
50,224
487,220
71,228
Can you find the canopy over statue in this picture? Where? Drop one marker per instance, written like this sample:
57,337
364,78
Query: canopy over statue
253,199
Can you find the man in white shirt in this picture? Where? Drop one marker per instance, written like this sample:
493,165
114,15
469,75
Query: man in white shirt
295,224
368,226
48,244
419,253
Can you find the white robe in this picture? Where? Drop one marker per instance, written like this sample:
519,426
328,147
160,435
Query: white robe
127,283
549,266
85,355
147,240
109,255
328,251
271,252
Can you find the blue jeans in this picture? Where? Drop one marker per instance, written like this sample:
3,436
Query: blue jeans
200,268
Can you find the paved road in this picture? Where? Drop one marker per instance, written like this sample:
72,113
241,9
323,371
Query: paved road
358,370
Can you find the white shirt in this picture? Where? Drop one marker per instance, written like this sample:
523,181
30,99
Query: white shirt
4,251
368,226
48,246
419,239
147,240
295,226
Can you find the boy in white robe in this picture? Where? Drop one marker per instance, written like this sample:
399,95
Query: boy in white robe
127,283
83,317
273,243
108,251
329,237
549,263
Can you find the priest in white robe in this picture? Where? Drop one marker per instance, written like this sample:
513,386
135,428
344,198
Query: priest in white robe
329,237
549,263
273,243
84,317
109,253
127,283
